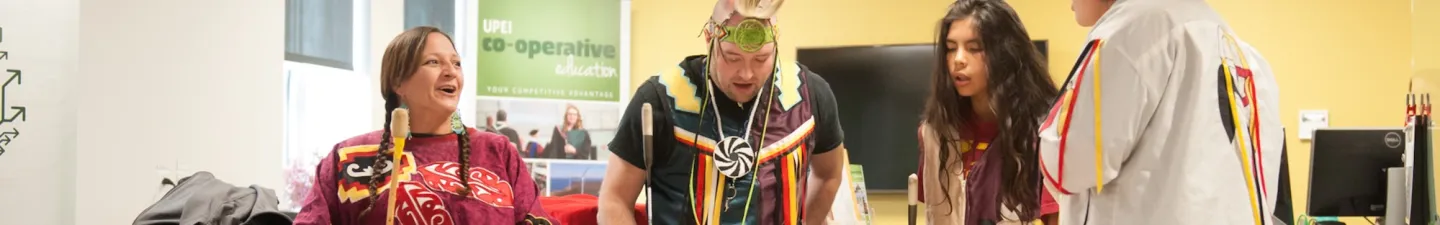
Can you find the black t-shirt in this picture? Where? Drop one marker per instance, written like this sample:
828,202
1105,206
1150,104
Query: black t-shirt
629,139
677,178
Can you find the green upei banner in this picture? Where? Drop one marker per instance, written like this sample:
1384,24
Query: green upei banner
554,49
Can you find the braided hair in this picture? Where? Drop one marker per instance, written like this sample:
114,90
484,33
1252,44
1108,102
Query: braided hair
464,139
400,61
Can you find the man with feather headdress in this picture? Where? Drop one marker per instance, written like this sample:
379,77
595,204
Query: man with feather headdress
740,137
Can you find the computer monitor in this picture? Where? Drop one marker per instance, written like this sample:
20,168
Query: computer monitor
1347,170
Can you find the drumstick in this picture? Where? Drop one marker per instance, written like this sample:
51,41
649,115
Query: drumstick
647,131
914,196
399,130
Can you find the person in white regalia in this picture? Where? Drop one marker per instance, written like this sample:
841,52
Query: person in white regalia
1167,117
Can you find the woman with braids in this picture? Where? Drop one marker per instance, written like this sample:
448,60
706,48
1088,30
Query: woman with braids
447,174
989,94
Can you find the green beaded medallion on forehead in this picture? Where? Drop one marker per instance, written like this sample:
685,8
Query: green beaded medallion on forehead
751,34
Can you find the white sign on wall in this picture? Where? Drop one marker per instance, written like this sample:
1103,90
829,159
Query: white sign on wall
1310,120
38,56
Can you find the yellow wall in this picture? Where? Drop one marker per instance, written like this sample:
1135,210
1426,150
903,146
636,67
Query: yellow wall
664,31
1426,28
1351,58
1320,55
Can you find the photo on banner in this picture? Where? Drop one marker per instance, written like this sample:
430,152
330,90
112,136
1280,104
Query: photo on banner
564,177
863,213
852,203
552,129
570,177
540,171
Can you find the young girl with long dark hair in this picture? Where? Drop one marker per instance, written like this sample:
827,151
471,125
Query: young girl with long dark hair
990,92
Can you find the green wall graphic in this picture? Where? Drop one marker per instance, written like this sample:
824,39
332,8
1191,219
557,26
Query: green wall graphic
549,49
6,115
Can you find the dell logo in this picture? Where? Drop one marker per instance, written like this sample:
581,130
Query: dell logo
1393,140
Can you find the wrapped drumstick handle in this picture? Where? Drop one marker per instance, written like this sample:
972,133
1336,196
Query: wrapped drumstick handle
914,197
399,131
647,131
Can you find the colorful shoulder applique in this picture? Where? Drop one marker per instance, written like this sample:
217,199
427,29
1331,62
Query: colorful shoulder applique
353,172
1241,120
679,88
788,81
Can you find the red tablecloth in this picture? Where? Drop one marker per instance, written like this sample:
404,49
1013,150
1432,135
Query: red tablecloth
581,209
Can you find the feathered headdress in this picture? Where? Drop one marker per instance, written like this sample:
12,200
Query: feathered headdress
759,9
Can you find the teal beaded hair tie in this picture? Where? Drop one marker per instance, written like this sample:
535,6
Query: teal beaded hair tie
456,125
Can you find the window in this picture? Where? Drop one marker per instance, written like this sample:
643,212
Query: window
328,88
435,13
320,32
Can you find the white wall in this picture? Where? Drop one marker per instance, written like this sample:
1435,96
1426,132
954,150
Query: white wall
125,93
194,85
37,169
387,19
